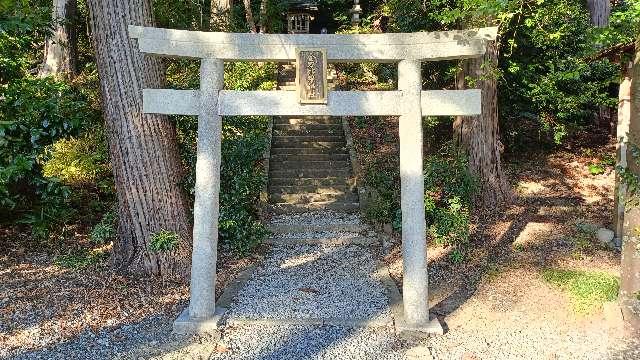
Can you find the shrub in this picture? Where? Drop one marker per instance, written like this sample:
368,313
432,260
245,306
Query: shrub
77,160
105,230
163,241
244,140
34,114
449,190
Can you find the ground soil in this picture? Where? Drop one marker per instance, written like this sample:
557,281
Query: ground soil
498,288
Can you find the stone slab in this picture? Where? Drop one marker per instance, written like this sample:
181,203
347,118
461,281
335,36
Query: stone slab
285,103
389,47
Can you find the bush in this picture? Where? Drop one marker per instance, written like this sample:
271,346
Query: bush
449,190
77,161
34,114
244,140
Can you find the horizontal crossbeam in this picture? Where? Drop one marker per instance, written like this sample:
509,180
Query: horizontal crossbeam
388,47
340,103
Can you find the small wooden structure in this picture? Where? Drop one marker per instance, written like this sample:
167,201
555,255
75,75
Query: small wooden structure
299,16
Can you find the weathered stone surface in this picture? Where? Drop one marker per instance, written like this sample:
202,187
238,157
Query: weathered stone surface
414,246
207,190
269,47
605,236
340,103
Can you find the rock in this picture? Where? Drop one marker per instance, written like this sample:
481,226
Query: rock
605,236
388,229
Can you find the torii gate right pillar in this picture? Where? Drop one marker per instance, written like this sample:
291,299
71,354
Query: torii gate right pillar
415,294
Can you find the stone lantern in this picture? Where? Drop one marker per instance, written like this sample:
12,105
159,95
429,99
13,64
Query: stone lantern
356,10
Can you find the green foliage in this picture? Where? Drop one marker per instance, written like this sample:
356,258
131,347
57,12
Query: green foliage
587,290
624,25
77,161
244,140
80,259
23,25
449,189
596,169
547,82
105,230
163,241
34,114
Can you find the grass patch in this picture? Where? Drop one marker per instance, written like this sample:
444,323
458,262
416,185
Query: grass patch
588,290
81,259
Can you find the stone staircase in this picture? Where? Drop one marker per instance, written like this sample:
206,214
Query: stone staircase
309,167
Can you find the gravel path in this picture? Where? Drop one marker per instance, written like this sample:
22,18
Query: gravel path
314,282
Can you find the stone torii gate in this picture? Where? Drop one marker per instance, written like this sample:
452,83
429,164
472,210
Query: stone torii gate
211,102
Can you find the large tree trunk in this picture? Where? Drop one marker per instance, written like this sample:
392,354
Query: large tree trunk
221,15
263,16
479,135
60,47
249,13
600,11
143,147
630,285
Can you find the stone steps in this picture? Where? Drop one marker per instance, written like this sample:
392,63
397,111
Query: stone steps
308,198
285,208
312,120
308,138
307,151
307,227
325,145
310,173
309,157
306,127
296,189
309,132
285,164
320,181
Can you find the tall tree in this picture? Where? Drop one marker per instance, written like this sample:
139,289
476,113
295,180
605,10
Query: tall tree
249,14
221,14
60,47
630,285
143,147
600,11
479,135
263,16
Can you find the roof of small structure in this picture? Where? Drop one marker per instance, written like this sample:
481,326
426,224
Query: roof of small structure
303,5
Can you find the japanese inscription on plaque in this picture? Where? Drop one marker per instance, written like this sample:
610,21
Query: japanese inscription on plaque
311,76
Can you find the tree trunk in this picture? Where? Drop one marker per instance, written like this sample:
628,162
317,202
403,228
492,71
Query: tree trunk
263,16
143,147
60,49
221,15
630,285
600,11
479,135
622,135
249,12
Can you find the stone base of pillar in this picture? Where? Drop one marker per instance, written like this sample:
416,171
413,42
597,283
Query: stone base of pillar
185,324
431,327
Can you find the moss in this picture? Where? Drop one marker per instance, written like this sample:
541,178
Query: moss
588,290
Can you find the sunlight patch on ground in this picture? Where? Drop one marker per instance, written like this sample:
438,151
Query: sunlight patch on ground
536,233
530,187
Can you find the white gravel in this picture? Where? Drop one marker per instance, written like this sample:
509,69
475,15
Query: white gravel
314,282
330,235
309,342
